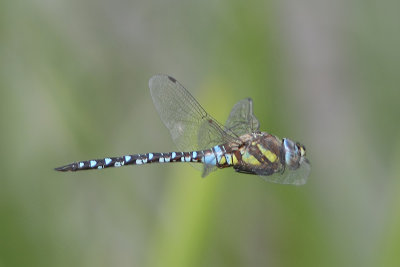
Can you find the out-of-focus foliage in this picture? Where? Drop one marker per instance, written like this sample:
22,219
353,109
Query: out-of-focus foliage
73,86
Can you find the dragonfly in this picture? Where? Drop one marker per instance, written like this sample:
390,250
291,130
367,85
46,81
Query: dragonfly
208,145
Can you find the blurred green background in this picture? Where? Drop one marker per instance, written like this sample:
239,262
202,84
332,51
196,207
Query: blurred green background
74,86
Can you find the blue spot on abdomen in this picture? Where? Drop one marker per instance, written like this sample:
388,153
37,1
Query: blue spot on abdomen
210,159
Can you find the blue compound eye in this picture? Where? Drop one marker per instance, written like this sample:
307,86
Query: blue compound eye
292,154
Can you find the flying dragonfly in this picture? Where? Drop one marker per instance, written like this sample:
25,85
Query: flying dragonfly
209,145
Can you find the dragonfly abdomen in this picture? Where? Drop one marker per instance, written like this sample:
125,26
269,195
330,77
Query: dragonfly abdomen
214,156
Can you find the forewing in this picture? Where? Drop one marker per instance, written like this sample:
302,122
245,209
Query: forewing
190,126
241,120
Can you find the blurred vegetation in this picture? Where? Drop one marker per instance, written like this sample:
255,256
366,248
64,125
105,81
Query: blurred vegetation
73,86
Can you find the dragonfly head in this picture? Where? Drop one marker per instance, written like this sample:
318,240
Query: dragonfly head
295,153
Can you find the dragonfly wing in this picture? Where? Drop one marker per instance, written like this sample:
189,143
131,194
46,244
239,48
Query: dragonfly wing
191,127
241,120
298,176
207,169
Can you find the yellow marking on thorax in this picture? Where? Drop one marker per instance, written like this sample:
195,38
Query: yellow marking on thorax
267,153
234,159
250,159
222,161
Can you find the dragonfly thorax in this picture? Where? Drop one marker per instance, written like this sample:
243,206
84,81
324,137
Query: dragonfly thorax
259,153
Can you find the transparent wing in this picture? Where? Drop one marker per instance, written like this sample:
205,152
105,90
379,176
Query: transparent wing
293,177
190,126
241,120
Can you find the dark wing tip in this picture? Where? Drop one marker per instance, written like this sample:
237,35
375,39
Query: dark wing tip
159,78
172,79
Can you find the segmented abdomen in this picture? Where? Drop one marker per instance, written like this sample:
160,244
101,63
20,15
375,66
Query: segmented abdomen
216,156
